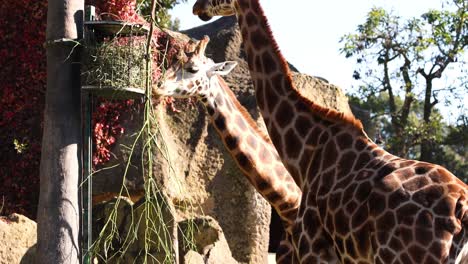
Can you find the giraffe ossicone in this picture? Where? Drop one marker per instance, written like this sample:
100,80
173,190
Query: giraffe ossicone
195,75
360,204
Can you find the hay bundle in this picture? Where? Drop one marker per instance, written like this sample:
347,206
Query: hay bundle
116,63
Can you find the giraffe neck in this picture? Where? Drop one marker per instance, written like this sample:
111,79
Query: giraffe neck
267,66
252,151
296,125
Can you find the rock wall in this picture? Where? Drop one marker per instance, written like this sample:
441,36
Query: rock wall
17,239
203,176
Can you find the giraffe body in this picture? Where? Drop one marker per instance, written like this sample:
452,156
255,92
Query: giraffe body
198,76
360,204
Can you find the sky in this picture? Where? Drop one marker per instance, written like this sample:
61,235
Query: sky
308,32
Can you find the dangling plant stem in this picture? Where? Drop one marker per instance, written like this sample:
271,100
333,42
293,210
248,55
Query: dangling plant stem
153,216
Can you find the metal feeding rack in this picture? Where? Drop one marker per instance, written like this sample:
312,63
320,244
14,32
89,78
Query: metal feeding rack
113,67
114,64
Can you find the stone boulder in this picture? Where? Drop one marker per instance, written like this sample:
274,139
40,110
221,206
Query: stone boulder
209,244
193,168
17,239
135,227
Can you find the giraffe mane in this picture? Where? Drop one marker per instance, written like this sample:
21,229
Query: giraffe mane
327,113
245,114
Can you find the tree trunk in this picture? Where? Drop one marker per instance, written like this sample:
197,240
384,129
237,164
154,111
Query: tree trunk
426,148
398,147
426,151
58,210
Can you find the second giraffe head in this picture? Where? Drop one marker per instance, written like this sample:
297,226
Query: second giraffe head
206,9
193,73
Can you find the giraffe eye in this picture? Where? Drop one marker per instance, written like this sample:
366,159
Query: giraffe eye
193,69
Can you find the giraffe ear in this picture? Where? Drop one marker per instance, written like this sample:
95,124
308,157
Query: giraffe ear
223,68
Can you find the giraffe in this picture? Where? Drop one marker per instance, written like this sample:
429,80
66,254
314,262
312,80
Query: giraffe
198,76
360,204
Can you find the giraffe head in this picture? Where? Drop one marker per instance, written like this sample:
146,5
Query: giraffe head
206,9
193,73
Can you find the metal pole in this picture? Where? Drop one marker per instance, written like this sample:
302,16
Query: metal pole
87,183
87,187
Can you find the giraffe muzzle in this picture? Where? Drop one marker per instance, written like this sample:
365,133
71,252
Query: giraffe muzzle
205,17
199,10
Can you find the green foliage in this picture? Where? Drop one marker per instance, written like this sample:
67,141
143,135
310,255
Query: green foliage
448,27
163,19
458,136
415,129
397,63
450,142
453,150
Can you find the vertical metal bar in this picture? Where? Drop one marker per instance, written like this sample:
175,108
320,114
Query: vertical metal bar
87,190
87,183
